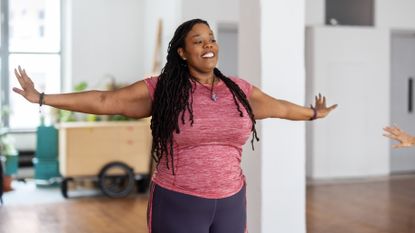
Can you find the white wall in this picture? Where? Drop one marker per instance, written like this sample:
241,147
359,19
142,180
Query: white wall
396,14
170,14
105,37
389,15
98,45
213,11
315,12
272,36
351,66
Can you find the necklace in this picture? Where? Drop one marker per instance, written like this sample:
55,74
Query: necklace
213,95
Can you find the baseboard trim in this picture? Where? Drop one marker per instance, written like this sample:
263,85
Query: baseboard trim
365,179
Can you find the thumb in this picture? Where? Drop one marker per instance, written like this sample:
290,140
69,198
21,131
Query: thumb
334,106
18,91
400,145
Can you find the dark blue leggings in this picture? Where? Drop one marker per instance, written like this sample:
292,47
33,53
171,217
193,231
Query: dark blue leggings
173,212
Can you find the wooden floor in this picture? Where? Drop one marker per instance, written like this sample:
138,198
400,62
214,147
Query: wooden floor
84,215
374,207
370,207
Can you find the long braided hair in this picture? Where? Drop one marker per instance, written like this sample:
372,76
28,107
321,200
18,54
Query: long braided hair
173,96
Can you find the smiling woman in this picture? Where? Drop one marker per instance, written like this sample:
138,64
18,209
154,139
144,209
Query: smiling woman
200,120
200,51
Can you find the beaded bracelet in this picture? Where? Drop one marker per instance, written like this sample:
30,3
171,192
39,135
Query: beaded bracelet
314,114
41,101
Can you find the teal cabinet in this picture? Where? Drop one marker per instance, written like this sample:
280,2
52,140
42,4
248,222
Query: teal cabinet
46,156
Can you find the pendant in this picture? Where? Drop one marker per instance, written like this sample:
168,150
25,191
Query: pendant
214,97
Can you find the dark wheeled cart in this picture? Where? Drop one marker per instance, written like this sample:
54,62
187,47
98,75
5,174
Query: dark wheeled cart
116,155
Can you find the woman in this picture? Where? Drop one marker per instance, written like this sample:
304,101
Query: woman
395,133
200,120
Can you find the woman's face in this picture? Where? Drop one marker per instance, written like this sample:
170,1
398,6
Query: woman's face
201,50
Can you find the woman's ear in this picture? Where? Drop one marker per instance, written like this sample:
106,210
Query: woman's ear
180,51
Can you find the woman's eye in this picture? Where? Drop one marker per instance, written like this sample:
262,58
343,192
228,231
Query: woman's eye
213,41
198,42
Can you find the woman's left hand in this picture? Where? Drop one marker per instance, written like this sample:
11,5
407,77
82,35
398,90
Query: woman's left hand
321,108
404,139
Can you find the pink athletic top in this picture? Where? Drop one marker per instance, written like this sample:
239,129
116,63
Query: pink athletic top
207,155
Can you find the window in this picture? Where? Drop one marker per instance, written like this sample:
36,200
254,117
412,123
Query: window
31,37
350,12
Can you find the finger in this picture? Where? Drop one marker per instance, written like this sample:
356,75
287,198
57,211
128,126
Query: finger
20,70
25,74
22,73
392,130
18,91
16,73
324,101
25,78
396,131
390,136
19,78
395,146
399,145
388,129
334,106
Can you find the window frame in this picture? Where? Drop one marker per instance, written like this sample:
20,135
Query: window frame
4,63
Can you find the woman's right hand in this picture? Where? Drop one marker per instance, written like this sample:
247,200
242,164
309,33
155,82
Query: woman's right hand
27,90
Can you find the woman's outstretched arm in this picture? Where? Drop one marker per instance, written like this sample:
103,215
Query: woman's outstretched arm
132,101
265,106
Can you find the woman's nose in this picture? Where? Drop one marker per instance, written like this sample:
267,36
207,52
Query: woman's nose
208,45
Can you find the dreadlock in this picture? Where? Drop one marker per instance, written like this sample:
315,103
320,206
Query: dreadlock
173,96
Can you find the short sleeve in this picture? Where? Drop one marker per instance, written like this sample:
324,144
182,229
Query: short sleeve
151,83
245,86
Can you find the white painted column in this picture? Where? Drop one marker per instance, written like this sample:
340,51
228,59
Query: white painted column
272,57
250,69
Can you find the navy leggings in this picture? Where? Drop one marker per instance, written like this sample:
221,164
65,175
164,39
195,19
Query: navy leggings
173,212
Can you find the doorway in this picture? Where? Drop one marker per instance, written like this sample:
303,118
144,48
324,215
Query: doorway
402,96
228,42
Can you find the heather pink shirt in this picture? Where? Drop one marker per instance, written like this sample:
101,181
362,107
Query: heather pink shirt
207,155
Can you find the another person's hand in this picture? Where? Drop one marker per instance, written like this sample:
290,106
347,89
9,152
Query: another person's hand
27,90
321,108
395,133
